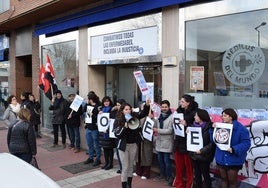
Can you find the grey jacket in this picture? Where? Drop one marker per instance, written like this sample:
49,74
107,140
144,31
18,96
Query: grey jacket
9,116
165,138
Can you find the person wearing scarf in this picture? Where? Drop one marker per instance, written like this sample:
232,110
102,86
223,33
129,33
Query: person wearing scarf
107,143
10,114
202,158
164,141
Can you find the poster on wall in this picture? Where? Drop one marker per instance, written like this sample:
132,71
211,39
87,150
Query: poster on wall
197,78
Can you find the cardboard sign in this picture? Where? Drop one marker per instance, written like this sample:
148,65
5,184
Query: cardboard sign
178,128
194,139
103,122
78,100
222,135
147,130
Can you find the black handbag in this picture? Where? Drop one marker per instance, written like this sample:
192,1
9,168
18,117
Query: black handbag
34,163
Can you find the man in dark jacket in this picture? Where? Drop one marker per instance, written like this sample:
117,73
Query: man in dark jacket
59,106
73,124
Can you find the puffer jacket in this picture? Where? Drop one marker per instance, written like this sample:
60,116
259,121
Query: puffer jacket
208,150
21,138
9,116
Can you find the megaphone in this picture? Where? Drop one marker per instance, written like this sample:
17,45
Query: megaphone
133,123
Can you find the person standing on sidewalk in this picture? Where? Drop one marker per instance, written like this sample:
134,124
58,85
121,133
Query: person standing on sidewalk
183,163
107,143
21,138
128,139
73,124
59,105
10,114
35,109
92,133
202,158
164,142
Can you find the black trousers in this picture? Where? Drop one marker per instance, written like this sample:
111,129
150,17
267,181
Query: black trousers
201,169
56,133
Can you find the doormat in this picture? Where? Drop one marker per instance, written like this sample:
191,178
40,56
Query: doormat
78,167
48,147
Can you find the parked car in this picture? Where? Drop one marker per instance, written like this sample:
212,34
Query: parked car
15,173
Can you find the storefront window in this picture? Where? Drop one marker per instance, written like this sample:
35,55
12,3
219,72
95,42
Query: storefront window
64,62
226,60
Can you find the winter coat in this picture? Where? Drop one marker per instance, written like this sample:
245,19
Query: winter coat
95,112
240,143
146,148
9,116
208,150
59,112
21,138
180,142
127,135
35,109
74,121
164,139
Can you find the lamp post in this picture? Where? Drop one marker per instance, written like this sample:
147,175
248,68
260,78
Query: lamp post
256,28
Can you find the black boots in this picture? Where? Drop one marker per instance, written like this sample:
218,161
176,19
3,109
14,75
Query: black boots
124,185
129,182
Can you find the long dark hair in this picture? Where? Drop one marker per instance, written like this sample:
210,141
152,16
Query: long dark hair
120,115
192,104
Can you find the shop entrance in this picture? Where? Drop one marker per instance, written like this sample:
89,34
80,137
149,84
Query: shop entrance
121,83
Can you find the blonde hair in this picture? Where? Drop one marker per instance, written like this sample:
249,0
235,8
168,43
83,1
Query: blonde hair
24,114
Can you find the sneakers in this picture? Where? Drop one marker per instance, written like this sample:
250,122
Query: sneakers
96,163
88,161
143,178
135,174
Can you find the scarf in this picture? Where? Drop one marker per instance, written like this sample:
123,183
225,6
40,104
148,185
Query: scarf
15,108
57,102
163,117
202,125
106,109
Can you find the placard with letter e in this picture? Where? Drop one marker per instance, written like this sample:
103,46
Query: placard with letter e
147,130
194,139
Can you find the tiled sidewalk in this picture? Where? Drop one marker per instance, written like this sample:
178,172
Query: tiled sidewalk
50,163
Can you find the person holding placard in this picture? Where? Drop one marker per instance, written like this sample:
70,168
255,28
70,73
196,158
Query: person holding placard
145,149
164,137
129,134
107,143
202,158
73,124
230,161
188,107
92,133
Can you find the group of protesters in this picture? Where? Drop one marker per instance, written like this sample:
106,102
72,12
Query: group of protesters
192,167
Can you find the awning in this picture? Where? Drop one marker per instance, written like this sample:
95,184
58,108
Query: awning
105,13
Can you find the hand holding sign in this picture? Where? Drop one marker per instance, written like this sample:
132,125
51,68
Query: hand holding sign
194,139
147,130
222,135
178,128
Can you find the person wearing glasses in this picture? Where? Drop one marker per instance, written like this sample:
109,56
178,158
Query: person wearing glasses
10,114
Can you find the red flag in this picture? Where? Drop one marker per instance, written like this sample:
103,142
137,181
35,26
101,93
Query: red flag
41,81
50,86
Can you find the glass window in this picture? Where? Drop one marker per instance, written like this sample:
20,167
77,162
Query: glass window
4,5
226,60
64,62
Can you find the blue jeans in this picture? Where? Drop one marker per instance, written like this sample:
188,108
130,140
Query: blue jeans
74,135
164,164
92,138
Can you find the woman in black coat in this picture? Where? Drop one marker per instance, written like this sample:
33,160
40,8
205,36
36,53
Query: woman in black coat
202,158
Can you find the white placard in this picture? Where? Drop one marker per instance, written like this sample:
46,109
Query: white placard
141,82
178,128
88,118
78,100
131,43
147,130
111,129
194,139
222,135
103,122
